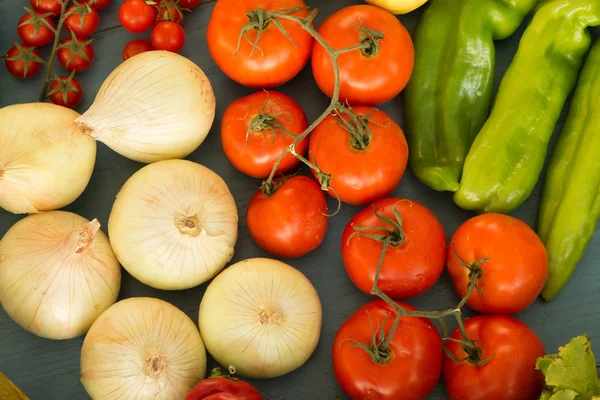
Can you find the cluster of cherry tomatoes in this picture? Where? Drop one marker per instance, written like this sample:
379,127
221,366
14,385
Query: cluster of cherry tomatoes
163,16
37,28
290,219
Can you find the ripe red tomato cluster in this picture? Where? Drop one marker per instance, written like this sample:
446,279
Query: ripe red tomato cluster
76,54
163,16
510,265
359,167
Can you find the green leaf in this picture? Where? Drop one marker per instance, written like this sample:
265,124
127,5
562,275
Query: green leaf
571,373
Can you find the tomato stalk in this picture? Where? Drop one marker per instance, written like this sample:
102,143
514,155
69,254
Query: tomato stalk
395,237
259,19
61,21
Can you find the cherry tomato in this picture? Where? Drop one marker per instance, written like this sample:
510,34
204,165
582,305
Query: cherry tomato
136,47
168,36
412,264
23,61
66,92
509,375
82,23
516,269
71,54
223,388
189,3
277,61
137,16
360,176
169,11
290,222
98,4
371,76
46,6
412,368
40,37
253,146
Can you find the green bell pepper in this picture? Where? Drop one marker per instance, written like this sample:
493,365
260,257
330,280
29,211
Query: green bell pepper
507,156
570,205
448,97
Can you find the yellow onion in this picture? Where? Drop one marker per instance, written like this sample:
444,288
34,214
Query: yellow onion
58,273
45,160
261,316
157,105
174,224
142,348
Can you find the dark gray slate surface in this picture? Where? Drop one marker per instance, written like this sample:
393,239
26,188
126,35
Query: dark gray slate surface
50,370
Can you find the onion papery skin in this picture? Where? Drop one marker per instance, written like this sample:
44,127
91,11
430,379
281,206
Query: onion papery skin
148,231
46,162
58,273
157,105
142,348
262,317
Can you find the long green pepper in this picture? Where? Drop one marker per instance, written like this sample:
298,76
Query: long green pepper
449,94
507,156
570,205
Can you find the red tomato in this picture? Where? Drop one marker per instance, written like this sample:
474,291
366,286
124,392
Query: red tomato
254,151
168,36
517,268
137,16
136,47
66,92
412,369
82,23
360,176
292,221
408,269
23,61
223,388
76,55
169,11
46,6
189,3
279,61
371,76
98,4
509,375
40,37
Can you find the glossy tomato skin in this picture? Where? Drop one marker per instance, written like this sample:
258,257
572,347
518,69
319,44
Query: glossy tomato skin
509,375
361,177
17,67
89,26
190,3
74,97
98,4
280,61
517,268
46,6
168,36
408,270
369,80
256,154
78,63
223,388
415,366
291,222
136,16
27,33
136,47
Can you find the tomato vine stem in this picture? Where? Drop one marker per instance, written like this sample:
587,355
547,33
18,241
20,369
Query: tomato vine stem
334,106
389,237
